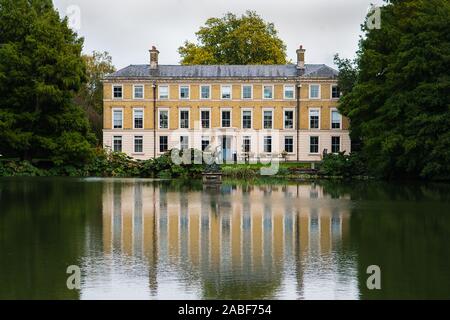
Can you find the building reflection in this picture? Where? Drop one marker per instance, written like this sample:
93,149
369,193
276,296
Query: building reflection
240,242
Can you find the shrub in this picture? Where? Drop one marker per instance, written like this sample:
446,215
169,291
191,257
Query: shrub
343,165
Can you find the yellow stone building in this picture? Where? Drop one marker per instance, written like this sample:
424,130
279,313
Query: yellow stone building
256,111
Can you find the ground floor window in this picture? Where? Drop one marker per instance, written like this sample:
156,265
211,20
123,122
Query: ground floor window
289,144
205,143
138,144
268,144
314,145
117,144
163,144
336,144
184,142
247,144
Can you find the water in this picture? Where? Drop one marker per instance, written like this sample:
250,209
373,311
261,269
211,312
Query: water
141,239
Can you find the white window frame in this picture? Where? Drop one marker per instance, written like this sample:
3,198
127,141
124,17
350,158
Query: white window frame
188,140
179,118
271,144
159,118
112,115
264,110
134,118
310,91
112,91
121,143
205,138
331,91
340,144
251,144
273,91
293,144
134,91
210,91
168,92
242,118
309,118
200,115
294,123
159,144
318,145
242,91
221,91
284,91
134,144
179,91
331,119
221,118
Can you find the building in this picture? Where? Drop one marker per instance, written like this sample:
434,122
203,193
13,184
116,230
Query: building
260,111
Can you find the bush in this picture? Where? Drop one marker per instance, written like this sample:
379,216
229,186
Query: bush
342,165
239,172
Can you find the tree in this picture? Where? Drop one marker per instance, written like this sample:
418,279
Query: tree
90,96
399,102
41,69
235,40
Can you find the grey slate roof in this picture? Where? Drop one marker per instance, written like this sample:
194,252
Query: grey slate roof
224,71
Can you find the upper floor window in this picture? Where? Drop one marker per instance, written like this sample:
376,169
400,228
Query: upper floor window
268,119
247,119
335,92
226,118
205,119
117,92
314,91
205,92
226,92
138,115
336,119
138,91
268,92
184,119
164,119
163,92
289,119
289,92
247,92
314,118
184,92
118,119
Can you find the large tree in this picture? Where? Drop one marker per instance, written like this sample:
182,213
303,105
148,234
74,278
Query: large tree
235,40
397,93
41,69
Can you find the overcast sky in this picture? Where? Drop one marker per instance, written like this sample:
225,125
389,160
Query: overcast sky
128,28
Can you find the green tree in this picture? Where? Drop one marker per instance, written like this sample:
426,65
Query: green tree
398,101
90,96
41,69
236,41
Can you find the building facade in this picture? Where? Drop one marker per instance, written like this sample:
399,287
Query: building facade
252,111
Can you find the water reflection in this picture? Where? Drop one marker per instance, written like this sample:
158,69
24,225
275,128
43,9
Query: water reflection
236,242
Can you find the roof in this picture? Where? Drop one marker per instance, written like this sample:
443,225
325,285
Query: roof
224,71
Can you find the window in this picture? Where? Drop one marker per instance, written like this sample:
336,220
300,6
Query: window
205,143
247,92
118,119
163,144
314,118
268,119
289,119
335,119
138,118
117,144
205,92
314,91
117,92
138,92
226,119
268,144
268,92
226,92
289,144
184,92
247,144
138,144
163,92
184,142
246,119
314,145
164,119
289,92
184,119
335,144
205,119
335,92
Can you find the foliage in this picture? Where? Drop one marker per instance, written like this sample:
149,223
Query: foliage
236,41
399,104
40,71
342,165
239,172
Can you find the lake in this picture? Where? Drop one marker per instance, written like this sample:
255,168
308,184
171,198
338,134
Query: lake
143,239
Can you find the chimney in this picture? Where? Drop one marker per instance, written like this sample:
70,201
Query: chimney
301,58
154,57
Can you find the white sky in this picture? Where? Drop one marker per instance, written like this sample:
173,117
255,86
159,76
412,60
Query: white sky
128,28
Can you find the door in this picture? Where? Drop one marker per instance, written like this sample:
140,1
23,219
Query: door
226,148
